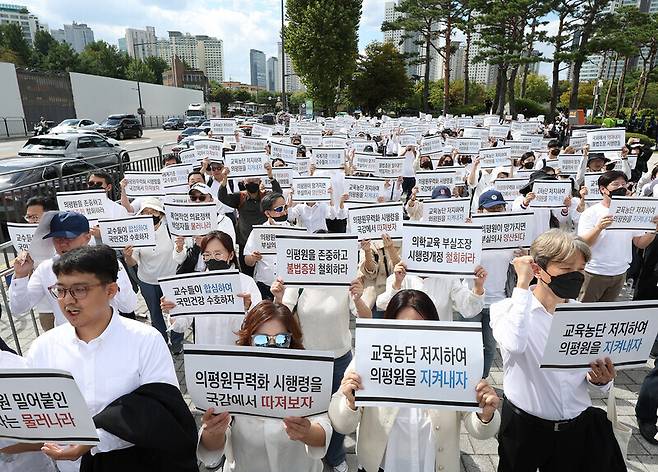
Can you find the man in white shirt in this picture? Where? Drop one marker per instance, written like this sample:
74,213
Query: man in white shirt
605,273
314,215
108,355
545,417
67,230
98,180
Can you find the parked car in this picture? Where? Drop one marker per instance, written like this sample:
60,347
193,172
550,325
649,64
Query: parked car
189,132
74,124
94,148
174,123
205,126
194,121
268,119
121,126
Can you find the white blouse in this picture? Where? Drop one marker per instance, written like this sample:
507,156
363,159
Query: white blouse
411,443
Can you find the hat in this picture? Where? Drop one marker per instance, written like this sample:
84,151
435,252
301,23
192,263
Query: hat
203,188
537,175
153,203
491,198
67,224
596,155
441,191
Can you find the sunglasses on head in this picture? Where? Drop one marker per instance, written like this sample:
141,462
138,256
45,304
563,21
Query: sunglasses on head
267,340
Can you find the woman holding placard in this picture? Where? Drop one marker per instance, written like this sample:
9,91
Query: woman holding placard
410,439
260,444
215,252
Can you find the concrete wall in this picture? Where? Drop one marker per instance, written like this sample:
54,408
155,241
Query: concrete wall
10,96
97,97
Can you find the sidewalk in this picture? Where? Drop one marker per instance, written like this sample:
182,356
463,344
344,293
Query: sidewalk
476,456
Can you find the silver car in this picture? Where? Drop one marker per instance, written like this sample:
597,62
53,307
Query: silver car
89,146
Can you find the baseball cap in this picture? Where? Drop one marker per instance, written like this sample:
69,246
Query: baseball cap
67,224
491,198
203,188
441,191
153,203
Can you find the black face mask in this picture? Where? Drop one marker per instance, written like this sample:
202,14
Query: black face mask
252,187
426,165
566,286
447,164
465,160
280,219
528,165
618,192
156,219
213,264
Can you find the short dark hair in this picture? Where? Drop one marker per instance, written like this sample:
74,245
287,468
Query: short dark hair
101,174
527,155
195,172
44,202
415,299
100,260
553,143
610,176
169,158
278,159
267,202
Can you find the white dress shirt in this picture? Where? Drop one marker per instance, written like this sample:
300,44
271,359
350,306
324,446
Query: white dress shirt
411,443
25,293
156,262
265,269
125,356
315,217
521,325
115,210
262,445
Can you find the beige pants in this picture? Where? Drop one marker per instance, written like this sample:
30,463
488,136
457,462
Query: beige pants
601,288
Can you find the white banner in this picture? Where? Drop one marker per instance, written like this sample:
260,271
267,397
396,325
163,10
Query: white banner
519,147
510,188
136,231
468,145
312,140
390,167
258,130
584,332
496,157
430,249
328,158
446,210
204,293
592,184
407,140
175,176
505,230
423,364
431,144
491,120
311,189
252,381
253,144
283,175
222,126
427,180
569,163
578,142
191,219
21,235
209,148
371,221
498,131
188,156
606,139
285,152
365,162
475,132
334,142
143,184
265,236
365,189
91,203
317,260
550,193
246,163
633,213
44,405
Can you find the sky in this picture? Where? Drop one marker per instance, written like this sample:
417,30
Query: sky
241,24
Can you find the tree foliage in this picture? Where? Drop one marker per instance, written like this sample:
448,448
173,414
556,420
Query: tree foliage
14,45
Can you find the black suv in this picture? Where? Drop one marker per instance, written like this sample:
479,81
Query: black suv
121,126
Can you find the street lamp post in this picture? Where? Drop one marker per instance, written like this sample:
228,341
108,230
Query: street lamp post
284,100
139,90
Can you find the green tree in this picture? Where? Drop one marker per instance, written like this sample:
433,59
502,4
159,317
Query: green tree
585,96
648,62
537,88
296,99
220,94
100,58
43,41
158,66
139,71
380,78
61,58
12,40
242,96
321,39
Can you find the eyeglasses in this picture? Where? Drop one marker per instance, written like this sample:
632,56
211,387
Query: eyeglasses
615,185
280,209
31,218
94,184
78,292
275,340
197,198
217,167
218,256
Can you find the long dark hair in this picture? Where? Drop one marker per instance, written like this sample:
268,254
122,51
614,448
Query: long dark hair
415,299
265,311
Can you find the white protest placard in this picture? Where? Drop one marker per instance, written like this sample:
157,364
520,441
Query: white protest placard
496,157
361,145
317,260
446,210
175,175
21,235
286,152
476,132
191,219
253,381
140,184
606,139
371,221
253,144
423,364
365,189
578,142
550,193
464,122
334,142
188,156
510,188
204,293
536,141
222,126
265,236
365,162
519,147
431,144
428,180
258,130
490,120
407,140
283,175
505,230
499,131
446,250
633,213
328,158
136,231
211,149
390,167
90,203
303,166
591,181
584,332
176,197
311,189
569,163
468,145
245,163
311,140
44,405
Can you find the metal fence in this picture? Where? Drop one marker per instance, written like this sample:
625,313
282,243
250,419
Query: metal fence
13,127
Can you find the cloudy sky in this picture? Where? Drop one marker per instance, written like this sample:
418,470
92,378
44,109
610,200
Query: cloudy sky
241,24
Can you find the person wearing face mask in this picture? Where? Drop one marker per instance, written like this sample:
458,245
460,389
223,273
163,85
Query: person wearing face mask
265,444
479,181
423,163
551,159
605,274
153,263
215,251
275,208
597,162
214,172
547,420
414,207
446,161
527,161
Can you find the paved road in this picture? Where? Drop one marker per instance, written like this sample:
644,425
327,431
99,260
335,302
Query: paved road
152,137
